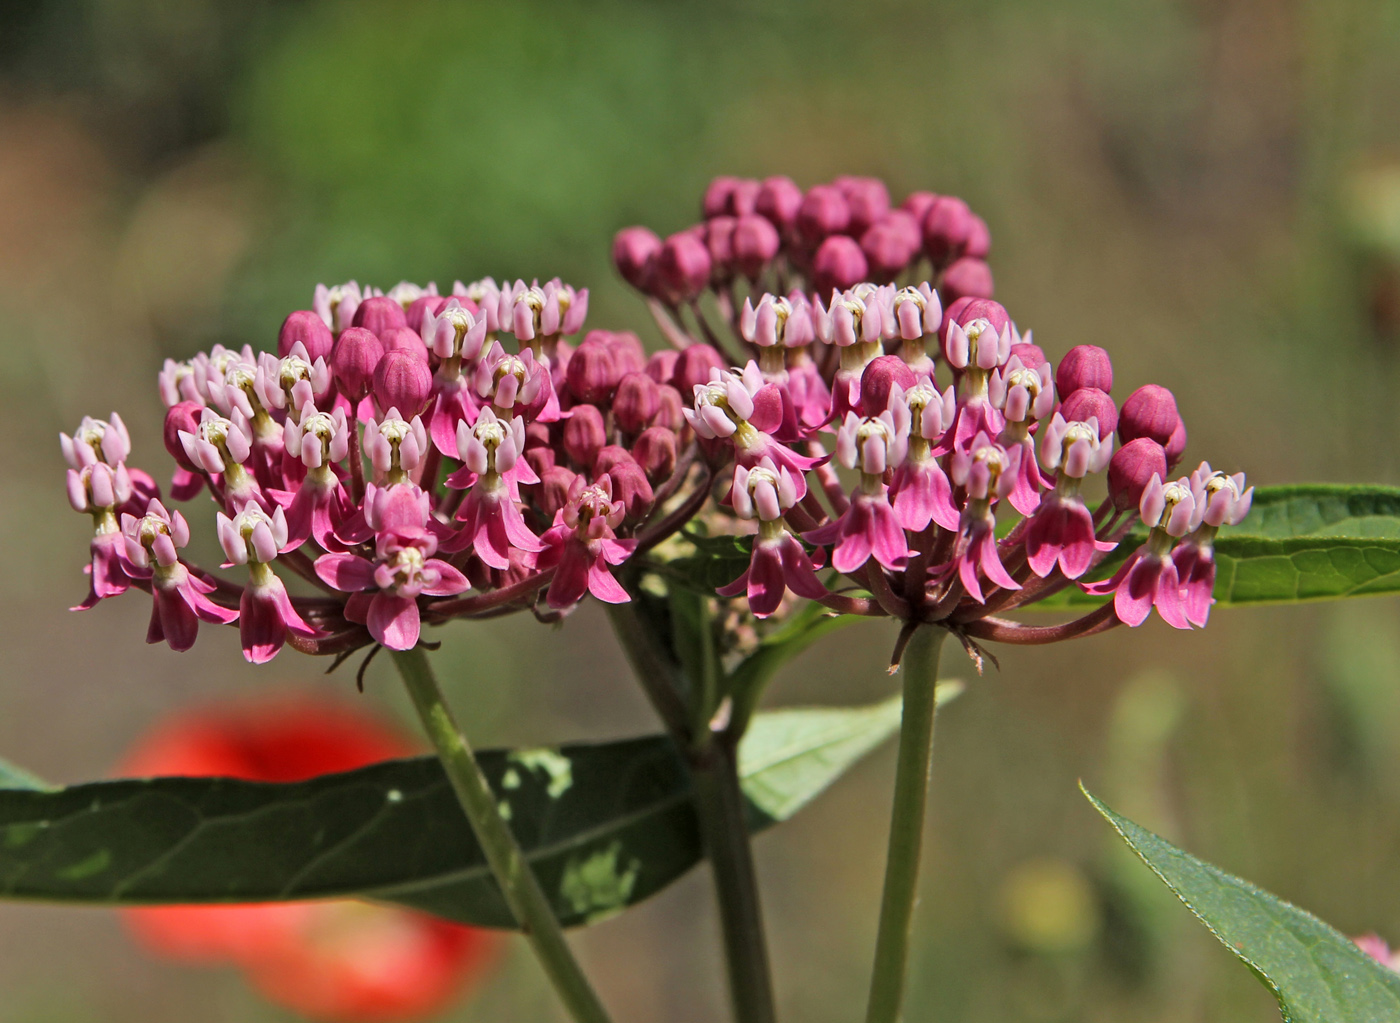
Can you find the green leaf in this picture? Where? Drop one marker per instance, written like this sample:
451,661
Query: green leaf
15,777
1317,974
717,561
1322,509
604,826
752,675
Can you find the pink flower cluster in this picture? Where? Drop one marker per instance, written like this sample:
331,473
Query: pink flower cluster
401,449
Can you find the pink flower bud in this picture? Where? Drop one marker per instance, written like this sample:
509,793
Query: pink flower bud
1090,402
1030,355
670,414
540,459
593,374
755,243
717,193
779,199
1150,411
963,311
655,452
611,455
839,264
634,252
584,435
824,211
1084,366
719,240
966,278
1176,446
404,339
868,200
627,351
553,493
693,367
743,199
682,267
636,402
882,374
379,314
1132,469
662,365
357,354
918,204
890,244
403,381
183,418
979,239
308,328
425,305
947,225
631,487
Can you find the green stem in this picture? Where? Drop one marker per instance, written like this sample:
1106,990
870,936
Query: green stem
720,804
906,825
522,891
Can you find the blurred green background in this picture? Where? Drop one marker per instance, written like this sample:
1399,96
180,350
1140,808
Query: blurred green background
1209,187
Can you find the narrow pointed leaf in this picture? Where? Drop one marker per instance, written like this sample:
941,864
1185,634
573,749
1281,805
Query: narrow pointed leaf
1317,974
604,826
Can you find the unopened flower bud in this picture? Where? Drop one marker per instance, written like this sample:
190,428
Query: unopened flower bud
184,418
308,328
403,381
890,244
611,455
755,242
966,278
947,224
880,376
655,452
779,199
631,487
553,492
634,252
635,402
540,459
743,199
357,354
1150,411
669,413
719,240
584,434
1084,366
693,367
1176,446
592,374
1090,402
1132,468
662,365
380,314
1030,355
426,305
682,267
404,339
717,194
627,351
824,212
839,264
918,203
868,200
979,239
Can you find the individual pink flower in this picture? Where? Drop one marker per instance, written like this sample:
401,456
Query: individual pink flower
775,326
1220,500
919,489
455,335
582,544
265,611
386,590
778,563
337,304
1062,529
857,321
548,312
491,522
1149,577
517,385
100,489
180,601
221,446
294,383
395,448
96,441
976,348
918,313
1023,395
987,472
319,504
869,526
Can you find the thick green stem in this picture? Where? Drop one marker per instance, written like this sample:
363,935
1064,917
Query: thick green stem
522,891
720,805
906,825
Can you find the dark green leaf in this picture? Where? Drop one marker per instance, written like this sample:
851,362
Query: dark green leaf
604,826
1317,974
717,561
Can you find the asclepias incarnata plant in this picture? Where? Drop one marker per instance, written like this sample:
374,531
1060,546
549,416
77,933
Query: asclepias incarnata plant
845,424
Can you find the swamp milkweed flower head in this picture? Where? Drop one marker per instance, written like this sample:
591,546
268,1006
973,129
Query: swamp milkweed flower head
341,961
842,392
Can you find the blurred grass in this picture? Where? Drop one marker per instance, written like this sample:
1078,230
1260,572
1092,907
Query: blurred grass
1201,186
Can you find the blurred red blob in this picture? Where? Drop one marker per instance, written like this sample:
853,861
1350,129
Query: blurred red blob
339,960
